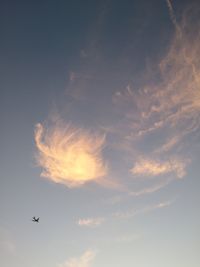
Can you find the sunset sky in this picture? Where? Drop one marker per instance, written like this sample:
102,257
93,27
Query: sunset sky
100,133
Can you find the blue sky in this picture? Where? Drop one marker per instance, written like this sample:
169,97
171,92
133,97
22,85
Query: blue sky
100,109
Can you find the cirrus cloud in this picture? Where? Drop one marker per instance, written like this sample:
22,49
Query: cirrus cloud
69,155
84,260
148,167
90,222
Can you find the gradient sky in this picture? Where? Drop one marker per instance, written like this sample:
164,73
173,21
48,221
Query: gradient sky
100,123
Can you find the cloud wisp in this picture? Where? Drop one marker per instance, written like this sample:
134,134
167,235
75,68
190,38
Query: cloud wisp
85,260
151,189
69,155
148,167
90,222
172,16
132,213
154,120
161,118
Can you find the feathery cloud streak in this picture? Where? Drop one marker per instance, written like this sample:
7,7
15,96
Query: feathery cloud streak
132,213
148,167
174,101
84,261
69,155
90,222
172,16
167,110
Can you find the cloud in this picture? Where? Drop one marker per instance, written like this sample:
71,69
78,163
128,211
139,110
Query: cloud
151,189
169,105
148,167
144,191
169,144
153,119
90,222
132,213
172,16
69,155
161,117
85,260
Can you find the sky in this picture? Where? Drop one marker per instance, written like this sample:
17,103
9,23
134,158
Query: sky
100,131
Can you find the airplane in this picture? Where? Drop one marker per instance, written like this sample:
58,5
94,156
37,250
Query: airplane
35,220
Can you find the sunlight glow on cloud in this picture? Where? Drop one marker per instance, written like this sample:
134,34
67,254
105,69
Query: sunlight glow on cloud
90,222
165,112
174,101
159,119
84,261
148,167
69,155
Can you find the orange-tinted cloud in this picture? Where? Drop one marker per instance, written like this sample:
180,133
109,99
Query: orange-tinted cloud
173,101
69,155
84,261
161,118
148,167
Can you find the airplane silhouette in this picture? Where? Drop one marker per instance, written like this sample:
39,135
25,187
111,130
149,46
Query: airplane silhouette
35,220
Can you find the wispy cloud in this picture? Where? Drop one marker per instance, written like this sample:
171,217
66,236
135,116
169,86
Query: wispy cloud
69,155
172,102
168,145
151,189
162,117
91,222
172,16
153,119
148,167
132,213
85,260
137,193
